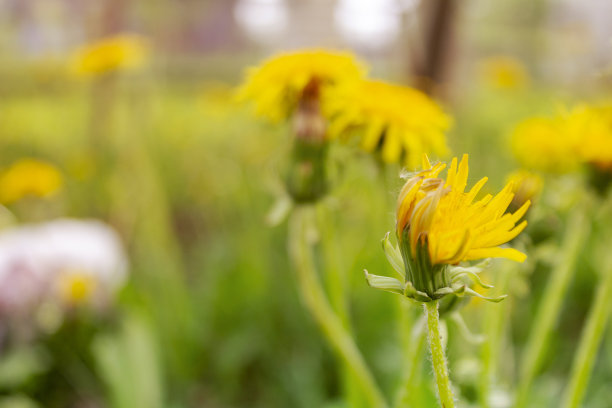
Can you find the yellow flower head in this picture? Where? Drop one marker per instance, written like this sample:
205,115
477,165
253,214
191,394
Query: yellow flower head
525,185
276,86
504,72
29,177
593,127
121,52
403,123
438,226
559,144
544,144
439,215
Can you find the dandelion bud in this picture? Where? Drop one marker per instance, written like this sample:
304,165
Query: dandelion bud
307,178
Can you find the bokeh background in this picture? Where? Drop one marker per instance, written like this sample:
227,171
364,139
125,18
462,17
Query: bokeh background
205,312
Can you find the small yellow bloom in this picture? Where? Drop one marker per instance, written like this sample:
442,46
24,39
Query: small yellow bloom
504,72
76,287
593,126
401,122
561,143
121,52
544,144
438,214
525,186
276,86
29,177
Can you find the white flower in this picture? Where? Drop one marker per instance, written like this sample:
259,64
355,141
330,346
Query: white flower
64,261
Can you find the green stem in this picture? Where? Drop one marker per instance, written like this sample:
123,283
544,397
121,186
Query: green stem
413,350
336,285
314,297
548,312
437,355
491,347
589,343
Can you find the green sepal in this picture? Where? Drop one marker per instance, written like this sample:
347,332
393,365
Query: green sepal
384,283
417,295
472,276
393,256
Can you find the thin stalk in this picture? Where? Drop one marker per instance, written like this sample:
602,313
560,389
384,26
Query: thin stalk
589,343
438,357
491,347
336,285
314,298
548,312
413,350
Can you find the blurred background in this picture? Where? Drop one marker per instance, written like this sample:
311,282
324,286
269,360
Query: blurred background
136,265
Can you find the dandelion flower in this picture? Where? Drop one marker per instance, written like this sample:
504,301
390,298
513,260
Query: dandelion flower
29,177
561,143
439,225
504,72
276,86
544,144
121,52
593,127
400,122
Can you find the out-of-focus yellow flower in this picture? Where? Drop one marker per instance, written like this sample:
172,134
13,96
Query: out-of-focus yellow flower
121,52
559,144
277,84
439,215
593,126
29,177
526,186
403,123
76,287
544,144
504,72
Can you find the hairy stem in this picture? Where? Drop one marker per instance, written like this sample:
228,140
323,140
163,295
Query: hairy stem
315,300
438,357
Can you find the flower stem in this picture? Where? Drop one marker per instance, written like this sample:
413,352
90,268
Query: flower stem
495,318
589,343
437,355
415,340
548,312
314,298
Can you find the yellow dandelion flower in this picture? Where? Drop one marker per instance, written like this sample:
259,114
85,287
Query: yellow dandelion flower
442,216
29,177
276,86
593,127
504,72
400,122
76,287
559,144
121,52
544,144
525,186
439,225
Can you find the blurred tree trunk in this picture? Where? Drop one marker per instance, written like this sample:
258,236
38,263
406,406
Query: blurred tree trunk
433,65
